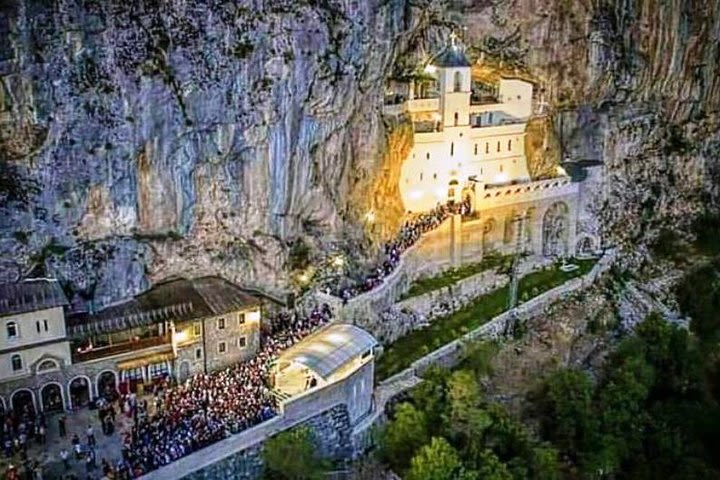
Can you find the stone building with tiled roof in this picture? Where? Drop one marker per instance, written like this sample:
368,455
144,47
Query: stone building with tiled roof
177,328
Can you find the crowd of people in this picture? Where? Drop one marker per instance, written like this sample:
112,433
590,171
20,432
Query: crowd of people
408,235
19,430
209,407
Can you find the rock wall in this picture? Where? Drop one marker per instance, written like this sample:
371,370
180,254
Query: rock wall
144,139
633,83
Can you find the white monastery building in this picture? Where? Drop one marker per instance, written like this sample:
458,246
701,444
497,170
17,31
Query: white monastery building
462,140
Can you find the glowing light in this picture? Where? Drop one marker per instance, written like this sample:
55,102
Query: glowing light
338,261
430,68
416,194
303,278
561,171
253,316
500,178
336,338
370,216
181,336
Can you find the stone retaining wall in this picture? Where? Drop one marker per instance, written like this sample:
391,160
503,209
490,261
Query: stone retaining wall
449,354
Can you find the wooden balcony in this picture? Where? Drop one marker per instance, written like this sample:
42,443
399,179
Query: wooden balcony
120,348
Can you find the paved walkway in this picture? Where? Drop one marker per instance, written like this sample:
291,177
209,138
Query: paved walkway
48,454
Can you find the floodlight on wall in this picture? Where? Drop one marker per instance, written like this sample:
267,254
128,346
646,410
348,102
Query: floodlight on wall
430,68
253,316
500,178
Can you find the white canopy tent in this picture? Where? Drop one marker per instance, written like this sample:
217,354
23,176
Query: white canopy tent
326,356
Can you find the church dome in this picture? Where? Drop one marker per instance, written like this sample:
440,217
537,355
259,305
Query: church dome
452,57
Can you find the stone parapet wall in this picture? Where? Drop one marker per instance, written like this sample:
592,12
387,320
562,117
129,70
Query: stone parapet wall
330,411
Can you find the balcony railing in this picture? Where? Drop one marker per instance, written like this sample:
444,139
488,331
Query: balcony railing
110,350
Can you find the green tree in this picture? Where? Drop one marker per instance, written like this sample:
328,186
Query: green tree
436,461
545,463
402,437
466,418
565,409
291,455
491,468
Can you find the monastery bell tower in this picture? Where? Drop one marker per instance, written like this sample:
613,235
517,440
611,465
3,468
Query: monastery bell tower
454,75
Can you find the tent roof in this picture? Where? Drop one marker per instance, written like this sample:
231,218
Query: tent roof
330,349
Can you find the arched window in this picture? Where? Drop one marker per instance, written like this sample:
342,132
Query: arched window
458,82
12,330
47,365
16,361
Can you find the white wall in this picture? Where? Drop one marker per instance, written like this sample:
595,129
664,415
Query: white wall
29,356
27,324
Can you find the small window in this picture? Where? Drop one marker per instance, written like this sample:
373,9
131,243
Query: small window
241,319
12,330
242,342
421,176
476,149
221,347
37,326
509,145
434,176
457,118
487,147
427,156
197,330
519,97
452,148
198,353
501,168
16,362
221,324
45,324
457,87
498,146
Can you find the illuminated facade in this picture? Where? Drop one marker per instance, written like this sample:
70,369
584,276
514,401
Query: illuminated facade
463,140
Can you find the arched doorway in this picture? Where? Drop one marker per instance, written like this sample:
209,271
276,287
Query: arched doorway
488,242
556,226
23,402
184,372
51,398
107,385
79,388
585,247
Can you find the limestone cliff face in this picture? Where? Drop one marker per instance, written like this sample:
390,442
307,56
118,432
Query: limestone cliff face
632,83
143,139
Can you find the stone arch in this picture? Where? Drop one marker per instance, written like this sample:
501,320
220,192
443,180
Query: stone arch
52,397
80,390
106,384
23,400
47,365
556,230
586,245
488,233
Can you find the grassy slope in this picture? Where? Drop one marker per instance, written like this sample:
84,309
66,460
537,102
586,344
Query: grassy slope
441,331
